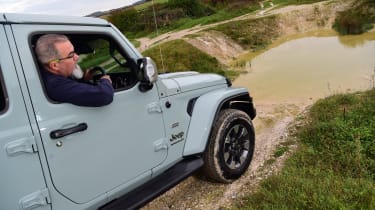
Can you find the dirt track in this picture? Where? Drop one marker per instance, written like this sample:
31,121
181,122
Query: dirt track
272,121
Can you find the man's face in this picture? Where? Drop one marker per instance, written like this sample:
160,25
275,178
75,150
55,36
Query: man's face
67,60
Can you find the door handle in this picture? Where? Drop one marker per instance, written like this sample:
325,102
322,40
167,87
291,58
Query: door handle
67,131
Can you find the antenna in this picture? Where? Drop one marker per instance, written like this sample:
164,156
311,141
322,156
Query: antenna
157,34
373,79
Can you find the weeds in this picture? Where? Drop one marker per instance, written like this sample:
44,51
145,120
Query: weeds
334,167
280,151
253,34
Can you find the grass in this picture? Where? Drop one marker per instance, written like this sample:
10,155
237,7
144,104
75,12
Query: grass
220,15
280,151
295,2
149,4
135,43
252,34
179,55
334,166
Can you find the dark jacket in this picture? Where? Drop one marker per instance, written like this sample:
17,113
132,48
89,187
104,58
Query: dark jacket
67,90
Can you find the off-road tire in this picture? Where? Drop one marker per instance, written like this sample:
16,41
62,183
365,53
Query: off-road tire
230,148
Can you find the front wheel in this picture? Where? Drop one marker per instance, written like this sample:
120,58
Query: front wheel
231,146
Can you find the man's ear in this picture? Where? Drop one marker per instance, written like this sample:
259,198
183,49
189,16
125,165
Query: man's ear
53,66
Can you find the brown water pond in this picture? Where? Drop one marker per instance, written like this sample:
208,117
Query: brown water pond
304,69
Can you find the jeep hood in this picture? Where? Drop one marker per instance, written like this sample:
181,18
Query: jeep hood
174,83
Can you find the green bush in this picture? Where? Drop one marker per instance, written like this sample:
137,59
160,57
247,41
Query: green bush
136,23
357,19
192,8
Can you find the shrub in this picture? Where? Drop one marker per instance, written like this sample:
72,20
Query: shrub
192,8
356,20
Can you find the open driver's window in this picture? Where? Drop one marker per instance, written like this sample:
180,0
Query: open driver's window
98,50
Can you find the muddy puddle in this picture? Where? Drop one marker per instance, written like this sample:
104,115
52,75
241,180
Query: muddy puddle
311,66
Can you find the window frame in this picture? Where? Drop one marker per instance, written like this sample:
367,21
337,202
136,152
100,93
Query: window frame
98,35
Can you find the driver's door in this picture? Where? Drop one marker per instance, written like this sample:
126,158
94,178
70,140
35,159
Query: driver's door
118,145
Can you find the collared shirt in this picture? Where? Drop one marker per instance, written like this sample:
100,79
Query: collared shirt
67,90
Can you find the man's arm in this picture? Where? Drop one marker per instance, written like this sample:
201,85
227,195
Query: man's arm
82,94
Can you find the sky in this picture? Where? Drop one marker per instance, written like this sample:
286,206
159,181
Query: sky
61,7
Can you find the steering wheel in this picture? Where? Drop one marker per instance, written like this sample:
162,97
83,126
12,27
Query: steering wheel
97,72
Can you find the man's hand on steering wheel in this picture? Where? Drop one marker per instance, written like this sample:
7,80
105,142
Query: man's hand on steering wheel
95,74
106,77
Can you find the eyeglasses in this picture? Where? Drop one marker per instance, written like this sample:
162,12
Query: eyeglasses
70,55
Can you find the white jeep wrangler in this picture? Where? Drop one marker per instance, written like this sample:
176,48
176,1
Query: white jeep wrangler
158,130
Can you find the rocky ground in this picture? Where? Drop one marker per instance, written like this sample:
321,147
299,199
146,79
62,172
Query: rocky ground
274,122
